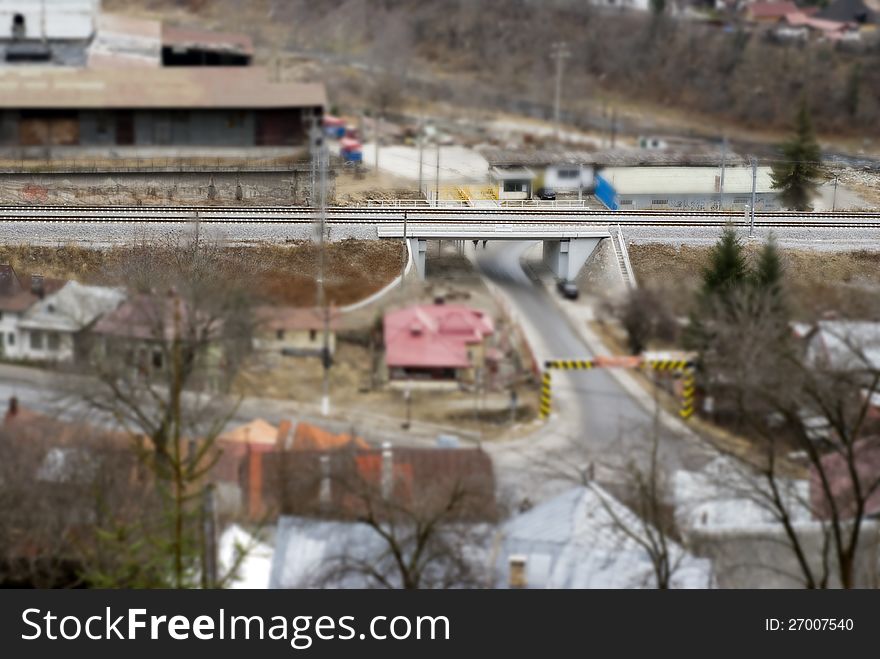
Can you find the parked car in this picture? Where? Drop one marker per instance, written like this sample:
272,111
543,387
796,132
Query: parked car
568,289
547,194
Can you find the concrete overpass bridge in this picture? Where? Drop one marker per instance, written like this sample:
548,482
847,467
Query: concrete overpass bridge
566,247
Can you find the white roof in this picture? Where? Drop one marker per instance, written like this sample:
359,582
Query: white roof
847,344
512,173
72,307
572,541
724,497
253,568
684,180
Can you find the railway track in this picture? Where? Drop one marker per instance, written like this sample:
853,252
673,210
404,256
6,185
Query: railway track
861,221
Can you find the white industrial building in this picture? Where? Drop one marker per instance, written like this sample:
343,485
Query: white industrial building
685,188
47,31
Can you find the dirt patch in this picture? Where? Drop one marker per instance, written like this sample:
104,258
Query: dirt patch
358,189
847,283
287,274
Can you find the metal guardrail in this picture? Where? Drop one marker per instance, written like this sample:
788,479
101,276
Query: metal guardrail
624,255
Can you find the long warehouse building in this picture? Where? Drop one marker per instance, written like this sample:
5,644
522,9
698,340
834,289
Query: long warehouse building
685,188
153,107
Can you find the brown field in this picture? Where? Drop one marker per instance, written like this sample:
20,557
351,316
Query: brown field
286,274
847,283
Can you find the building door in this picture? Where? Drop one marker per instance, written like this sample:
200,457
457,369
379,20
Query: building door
48,128
125,128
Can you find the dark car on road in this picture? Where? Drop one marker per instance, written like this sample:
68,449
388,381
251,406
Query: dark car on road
568,289
547,194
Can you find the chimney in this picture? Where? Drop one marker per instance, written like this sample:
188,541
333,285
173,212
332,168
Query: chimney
37,286
387,482
517,574
324,492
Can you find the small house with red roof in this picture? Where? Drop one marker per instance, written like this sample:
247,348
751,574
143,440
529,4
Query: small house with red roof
436,342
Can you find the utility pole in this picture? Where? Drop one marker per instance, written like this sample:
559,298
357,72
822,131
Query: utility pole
322,293
437,175
613,126
723,163
314,138
405,254
834,195
754,186
421,141
377,126
560,53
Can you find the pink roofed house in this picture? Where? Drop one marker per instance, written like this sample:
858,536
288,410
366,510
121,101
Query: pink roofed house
436,341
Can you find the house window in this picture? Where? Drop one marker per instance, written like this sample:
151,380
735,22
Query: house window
11,339
279,334
514,186
740,200
569,173
36,340
659,202
53,341
157,359
313,334
625,202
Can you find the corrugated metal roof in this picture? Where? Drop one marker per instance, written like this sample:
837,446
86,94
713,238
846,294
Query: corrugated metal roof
708,155
184,37
165,88
684,180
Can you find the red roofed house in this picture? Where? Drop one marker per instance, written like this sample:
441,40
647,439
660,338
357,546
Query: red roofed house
836,469
436,342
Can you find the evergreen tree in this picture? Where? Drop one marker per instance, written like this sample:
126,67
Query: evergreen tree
727,265
795,177
726,273
768,271
767,277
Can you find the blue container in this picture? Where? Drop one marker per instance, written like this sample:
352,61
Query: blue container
337,132
606,193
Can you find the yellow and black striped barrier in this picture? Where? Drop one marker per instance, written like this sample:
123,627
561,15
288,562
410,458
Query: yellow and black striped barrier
545,395
683,366
687,393
569,364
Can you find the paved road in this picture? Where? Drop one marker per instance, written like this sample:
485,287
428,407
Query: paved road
595,419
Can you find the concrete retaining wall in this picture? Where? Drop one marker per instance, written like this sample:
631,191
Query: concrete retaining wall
157,188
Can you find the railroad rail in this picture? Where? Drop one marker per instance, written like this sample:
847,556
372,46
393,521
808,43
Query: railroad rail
355,216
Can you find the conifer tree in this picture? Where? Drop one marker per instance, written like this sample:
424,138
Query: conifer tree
795,177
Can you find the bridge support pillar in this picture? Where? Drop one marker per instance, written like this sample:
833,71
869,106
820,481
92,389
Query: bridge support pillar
418,248
565,258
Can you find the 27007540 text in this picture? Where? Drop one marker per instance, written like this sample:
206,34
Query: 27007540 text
808,624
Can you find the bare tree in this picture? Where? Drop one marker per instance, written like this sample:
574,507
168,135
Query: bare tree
642,485
159,367
415,533
788,401
59,484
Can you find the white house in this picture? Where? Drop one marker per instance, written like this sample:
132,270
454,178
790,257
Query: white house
17,296
50,329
